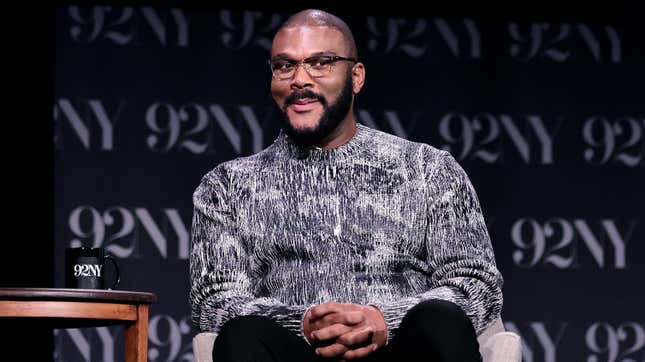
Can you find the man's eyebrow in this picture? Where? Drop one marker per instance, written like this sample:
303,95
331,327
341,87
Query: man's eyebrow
284,56
281,56
328,52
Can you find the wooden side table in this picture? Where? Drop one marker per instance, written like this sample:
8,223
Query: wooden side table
82,308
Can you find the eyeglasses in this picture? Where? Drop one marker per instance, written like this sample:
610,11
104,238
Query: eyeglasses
316,66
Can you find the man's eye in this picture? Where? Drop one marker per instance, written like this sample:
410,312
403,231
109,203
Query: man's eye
318,62
282,65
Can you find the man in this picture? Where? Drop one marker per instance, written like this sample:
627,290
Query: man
338,241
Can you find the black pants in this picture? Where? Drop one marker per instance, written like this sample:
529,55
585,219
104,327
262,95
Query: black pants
432,331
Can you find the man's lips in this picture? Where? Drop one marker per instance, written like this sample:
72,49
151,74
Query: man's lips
303,104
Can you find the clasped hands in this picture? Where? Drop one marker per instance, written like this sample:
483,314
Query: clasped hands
344,330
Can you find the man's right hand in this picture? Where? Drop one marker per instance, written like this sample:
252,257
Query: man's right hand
344,329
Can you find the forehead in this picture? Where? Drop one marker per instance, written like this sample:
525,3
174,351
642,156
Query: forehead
303,41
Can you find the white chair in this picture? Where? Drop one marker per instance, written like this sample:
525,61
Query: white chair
495,345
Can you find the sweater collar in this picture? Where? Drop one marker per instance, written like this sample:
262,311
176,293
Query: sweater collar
314,153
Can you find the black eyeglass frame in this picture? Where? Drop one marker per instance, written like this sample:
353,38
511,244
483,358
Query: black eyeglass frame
330,60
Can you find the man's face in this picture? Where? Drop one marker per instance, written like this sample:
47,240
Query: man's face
313,107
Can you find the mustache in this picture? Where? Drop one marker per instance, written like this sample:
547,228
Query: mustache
304,94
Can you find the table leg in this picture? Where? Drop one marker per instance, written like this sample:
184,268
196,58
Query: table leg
136,337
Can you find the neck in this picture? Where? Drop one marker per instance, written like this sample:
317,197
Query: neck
341,135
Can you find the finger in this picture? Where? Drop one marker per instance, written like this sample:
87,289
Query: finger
333,350
356,337
321,310
360,352
347,318
330,332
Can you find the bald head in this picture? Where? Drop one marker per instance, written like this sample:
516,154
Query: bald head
313,17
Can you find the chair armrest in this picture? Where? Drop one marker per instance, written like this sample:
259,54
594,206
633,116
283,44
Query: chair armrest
203,346
502,347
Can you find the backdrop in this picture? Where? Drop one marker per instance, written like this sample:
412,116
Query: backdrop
545,114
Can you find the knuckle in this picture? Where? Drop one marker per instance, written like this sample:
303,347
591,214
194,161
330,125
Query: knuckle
326,352
356,317
352,339
345,340
331,318
355,355
347,318
338,328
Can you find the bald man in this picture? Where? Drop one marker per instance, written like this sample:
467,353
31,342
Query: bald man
338,242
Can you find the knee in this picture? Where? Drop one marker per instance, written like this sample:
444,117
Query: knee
240,338
441,330
438,315
244,327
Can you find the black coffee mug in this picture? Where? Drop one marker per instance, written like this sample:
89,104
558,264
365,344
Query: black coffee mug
85,268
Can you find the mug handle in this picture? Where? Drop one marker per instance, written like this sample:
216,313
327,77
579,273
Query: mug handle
116,267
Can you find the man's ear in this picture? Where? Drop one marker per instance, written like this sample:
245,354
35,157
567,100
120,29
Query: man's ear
358,77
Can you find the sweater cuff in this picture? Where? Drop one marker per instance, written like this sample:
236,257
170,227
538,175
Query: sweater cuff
387,335
302,324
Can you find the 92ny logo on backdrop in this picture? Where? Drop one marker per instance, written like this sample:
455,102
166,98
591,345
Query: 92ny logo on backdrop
132,232
593,342
559,243
491,138
169,339
209,128
614,141
128,26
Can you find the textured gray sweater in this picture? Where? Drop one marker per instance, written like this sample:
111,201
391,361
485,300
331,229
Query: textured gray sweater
379,220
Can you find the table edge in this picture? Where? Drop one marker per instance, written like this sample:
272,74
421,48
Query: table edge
68,294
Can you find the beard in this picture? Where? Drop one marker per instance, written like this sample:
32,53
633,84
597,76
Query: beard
332,116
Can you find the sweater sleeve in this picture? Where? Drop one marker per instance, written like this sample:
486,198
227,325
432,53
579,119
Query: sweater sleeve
221,283
459,251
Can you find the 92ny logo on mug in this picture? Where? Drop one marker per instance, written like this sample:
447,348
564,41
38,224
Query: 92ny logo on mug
84,266
87,270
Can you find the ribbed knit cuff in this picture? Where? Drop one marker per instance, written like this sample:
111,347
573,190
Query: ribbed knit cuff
387,335
302,324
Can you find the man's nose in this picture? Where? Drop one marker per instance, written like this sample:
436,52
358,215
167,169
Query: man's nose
301,77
